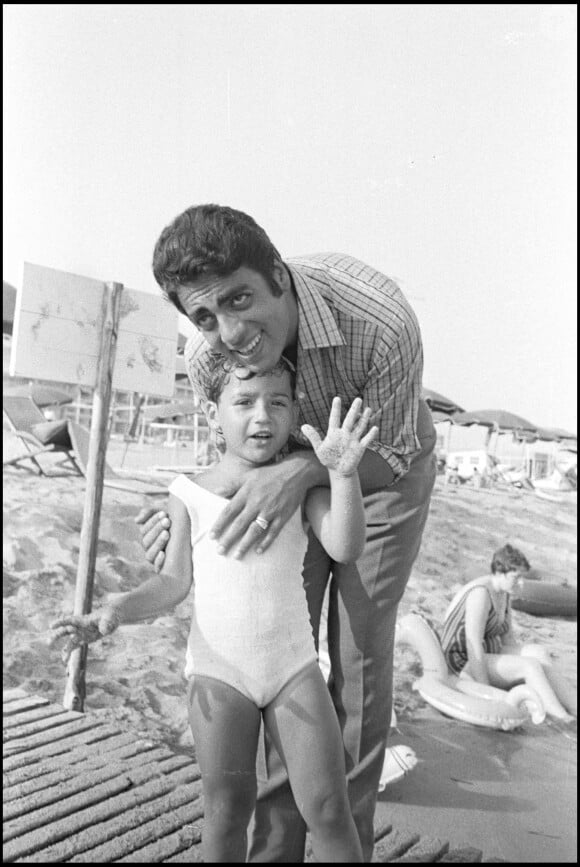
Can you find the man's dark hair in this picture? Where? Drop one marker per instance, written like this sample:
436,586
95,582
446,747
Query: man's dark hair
507,559
211,239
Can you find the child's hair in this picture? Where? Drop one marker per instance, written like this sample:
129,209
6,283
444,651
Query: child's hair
224,368
211,239
507,559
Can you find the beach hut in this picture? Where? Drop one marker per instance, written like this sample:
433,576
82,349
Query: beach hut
518,447
497,433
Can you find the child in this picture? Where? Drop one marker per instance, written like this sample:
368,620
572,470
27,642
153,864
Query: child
251,651
478,641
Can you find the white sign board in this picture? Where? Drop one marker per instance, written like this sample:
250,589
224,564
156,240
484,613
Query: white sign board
57,333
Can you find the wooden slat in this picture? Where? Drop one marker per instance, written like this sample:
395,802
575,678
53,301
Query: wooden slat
19,732
20,703
168,833
13,694
85,735
93,810
67,787
425,851
69,803
26,766
50,737
110,835
382,828
35,772
394,845
464,856
36,777
24,717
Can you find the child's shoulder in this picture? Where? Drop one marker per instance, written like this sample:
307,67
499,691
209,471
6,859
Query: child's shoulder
211,480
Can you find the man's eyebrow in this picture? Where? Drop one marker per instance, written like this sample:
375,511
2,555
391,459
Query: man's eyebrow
225,294
223,297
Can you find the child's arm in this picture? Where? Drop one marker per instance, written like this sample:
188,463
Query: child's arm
158,594
337,515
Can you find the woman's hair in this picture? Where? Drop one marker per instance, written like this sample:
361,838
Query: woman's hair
224,369
211,239
507,559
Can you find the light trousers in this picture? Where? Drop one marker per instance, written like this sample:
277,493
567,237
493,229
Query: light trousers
362,612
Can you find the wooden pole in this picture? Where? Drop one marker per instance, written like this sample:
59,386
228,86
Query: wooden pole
75,691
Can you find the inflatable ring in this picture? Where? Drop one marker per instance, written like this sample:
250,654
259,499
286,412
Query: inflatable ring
458,697
544,599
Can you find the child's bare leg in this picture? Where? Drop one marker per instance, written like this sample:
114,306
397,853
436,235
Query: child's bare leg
225,726
505,670
303,724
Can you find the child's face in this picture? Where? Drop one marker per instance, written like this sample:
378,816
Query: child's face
256,415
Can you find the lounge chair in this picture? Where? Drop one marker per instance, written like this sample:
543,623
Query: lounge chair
37,435
80,438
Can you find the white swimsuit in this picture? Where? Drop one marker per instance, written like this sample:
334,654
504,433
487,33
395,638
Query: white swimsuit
250,627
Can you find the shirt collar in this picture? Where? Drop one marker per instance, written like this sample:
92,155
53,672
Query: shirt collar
317,326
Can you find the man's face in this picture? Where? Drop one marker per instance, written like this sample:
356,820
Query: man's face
241,318
256,415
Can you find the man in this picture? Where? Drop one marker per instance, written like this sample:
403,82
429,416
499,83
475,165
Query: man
348,331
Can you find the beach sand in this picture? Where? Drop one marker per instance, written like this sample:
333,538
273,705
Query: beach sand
512,795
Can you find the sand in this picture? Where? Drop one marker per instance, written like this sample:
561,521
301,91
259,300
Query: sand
513,794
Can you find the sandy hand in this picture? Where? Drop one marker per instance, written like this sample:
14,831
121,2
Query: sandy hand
81,629
344,445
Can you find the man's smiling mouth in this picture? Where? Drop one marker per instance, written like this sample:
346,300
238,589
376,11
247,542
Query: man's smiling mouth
250,348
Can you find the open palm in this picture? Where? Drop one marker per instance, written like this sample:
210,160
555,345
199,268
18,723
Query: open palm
344,445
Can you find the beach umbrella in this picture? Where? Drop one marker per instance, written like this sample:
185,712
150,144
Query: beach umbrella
495,418
439,402
42,395
556,433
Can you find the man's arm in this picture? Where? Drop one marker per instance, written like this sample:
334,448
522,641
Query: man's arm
295,476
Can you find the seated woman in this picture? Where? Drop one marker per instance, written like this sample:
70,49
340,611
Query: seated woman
478,640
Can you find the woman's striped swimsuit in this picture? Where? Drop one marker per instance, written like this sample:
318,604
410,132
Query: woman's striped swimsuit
453,638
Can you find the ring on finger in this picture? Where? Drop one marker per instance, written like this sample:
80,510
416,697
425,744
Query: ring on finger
262,523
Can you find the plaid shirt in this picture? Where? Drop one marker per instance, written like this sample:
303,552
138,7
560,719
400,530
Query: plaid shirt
357,337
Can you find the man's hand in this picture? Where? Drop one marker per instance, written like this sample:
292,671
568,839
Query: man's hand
342,448
84,628
272,493
154,526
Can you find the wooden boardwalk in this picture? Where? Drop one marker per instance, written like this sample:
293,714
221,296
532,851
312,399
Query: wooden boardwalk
79,789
